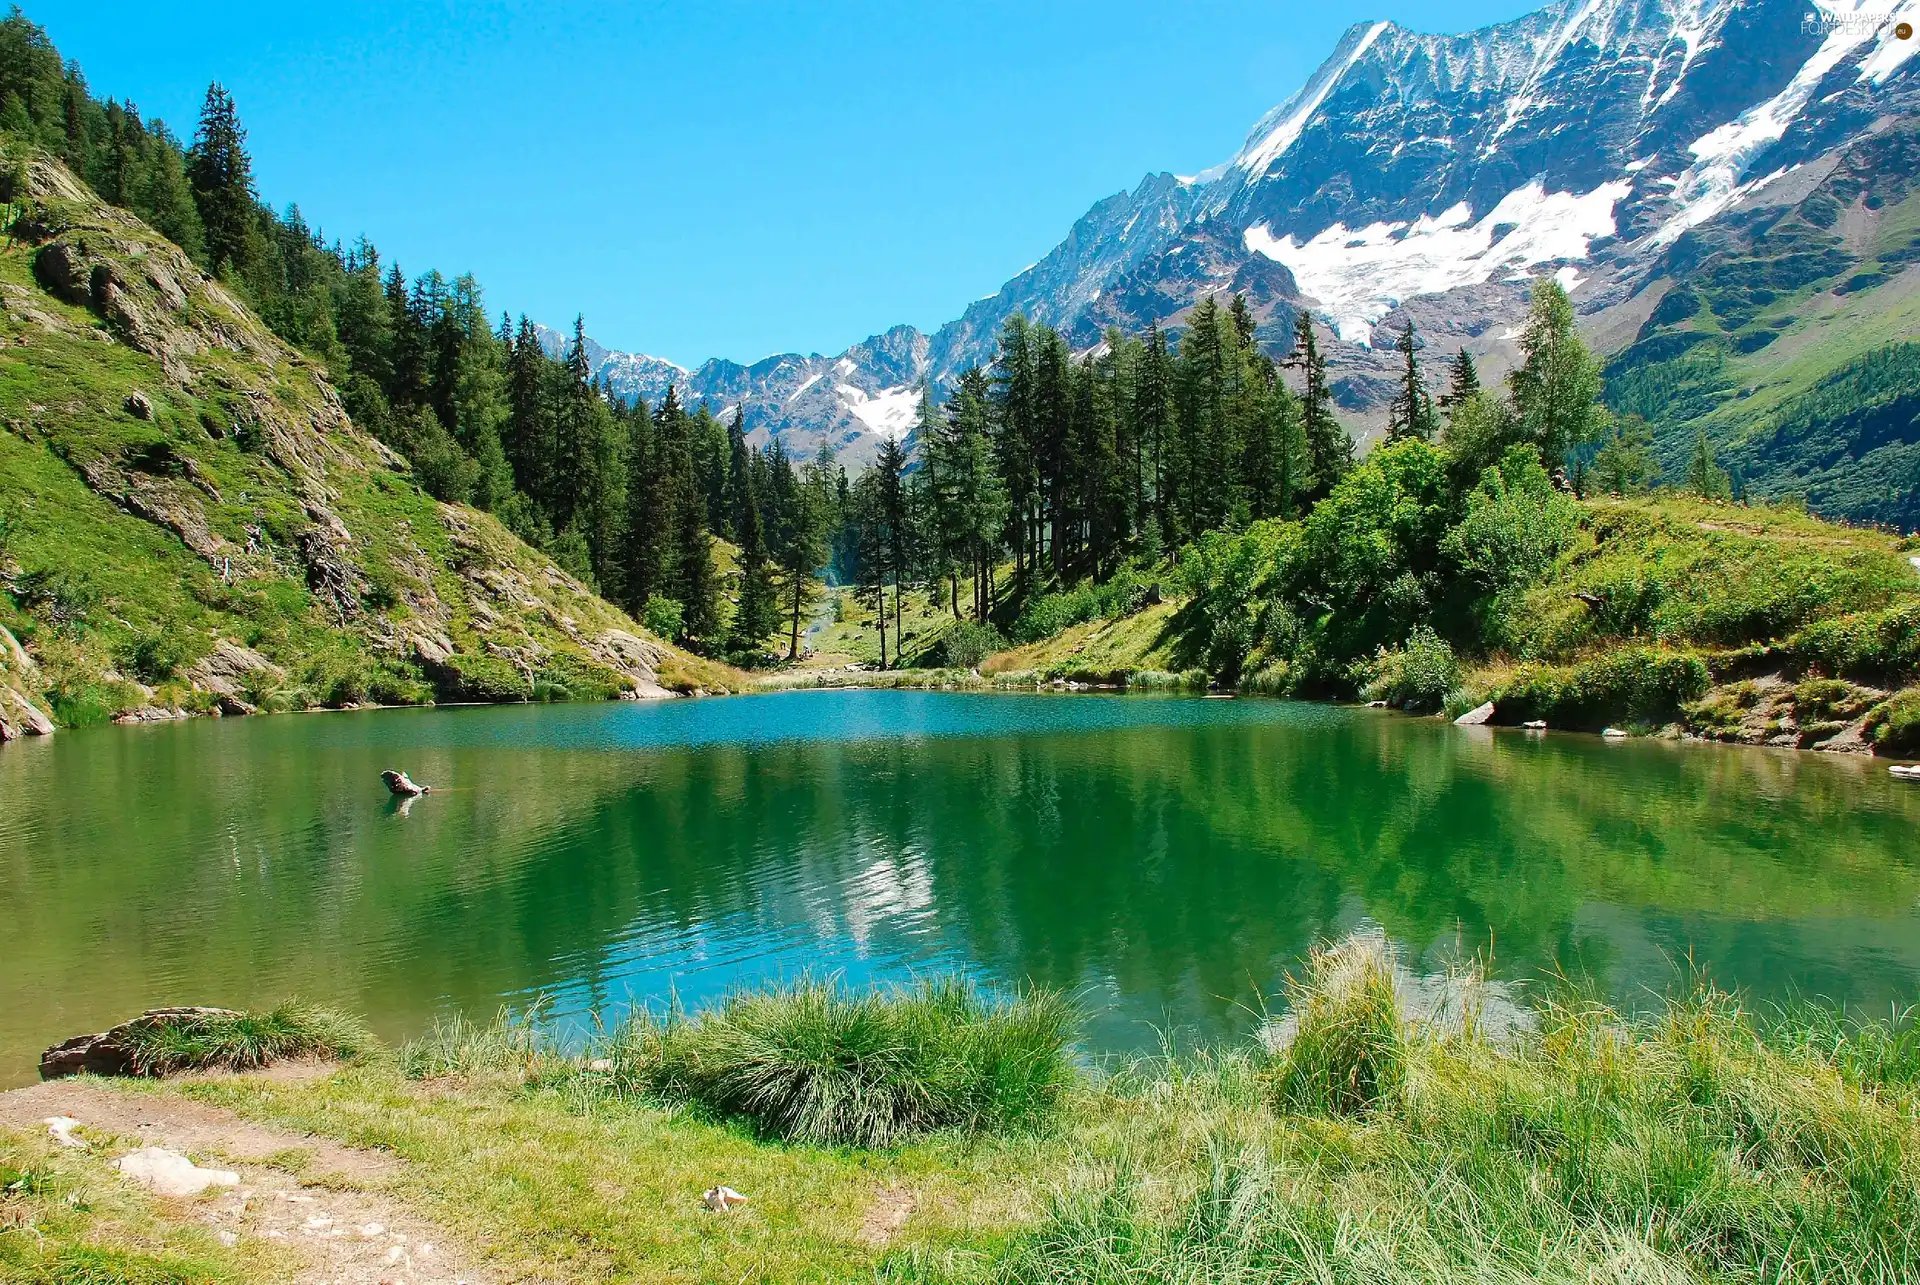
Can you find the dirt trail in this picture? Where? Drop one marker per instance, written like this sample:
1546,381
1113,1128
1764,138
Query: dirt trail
345,1232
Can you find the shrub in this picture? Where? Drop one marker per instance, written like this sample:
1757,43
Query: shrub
1341,1038
1894,725
1516,524
966,644
244,1041
664,617
1633,685
813,1063
1417,676
1868,644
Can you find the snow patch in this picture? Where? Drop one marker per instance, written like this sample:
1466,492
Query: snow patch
1713,181
891,413
811,381
1360,275
1256,157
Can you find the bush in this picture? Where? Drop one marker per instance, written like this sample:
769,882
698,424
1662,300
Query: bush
1636,685
245,1041
1869,644
1341,1039
1894,725
968,643
1417,676
664,617
813,1063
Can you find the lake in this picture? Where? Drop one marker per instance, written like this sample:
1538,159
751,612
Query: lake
1168,858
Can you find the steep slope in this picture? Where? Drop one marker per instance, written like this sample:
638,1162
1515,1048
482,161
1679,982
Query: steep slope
1422,177
189,522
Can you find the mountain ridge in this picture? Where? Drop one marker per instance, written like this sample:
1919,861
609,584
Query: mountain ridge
1413,176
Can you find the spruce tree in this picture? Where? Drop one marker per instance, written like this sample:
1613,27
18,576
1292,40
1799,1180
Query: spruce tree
1625,464
1463,381
1329,449
221,175
1704,477
1411,412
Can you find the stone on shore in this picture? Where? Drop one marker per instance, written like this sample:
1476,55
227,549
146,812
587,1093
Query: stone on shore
1476,716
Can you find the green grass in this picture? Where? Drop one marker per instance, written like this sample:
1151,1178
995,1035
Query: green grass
244,1041
810,1062
65,1219
1372,1135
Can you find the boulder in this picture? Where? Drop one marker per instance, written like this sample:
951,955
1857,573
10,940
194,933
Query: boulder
1476,716
109,1052
139,405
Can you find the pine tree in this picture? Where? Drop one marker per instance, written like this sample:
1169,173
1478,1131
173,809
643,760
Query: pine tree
1463,381
758,614
221,175
1329,449
1411,412
1704,477
896,519
1625,465
803,512
1153,421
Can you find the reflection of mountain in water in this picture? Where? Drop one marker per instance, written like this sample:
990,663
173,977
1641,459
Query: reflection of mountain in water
1170,868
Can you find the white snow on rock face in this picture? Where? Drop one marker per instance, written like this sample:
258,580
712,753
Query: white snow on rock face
1717,178
1361,275
1278,131
890,413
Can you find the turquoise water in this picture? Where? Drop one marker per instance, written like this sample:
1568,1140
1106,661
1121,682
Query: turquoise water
1167,858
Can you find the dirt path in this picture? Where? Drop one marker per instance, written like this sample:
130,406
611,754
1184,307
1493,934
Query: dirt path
316,1195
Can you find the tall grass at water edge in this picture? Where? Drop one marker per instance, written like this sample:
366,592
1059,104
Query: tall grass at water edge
809,1062
1703,1142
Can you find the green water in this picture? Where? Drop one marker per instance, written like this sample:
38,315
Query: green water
1169,858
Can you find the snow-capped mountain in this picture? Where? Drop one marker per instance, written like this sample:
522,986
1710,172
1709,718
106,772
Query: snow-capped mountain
1413,175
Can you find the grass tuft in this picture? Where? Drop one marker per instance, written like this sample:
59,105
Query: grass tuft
1341,1040
813,1062
245,1041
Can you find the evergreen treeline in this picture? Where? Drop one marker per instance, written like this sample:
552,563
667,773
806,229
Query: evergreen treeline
627,497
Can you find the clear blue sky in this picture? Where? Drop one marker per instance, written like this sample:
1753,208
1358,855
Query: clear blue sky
721,179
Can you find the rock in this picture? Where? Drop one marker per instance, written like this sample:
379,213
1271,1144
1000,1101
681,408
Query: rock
600,1064
719,1199
1376,704
1613,733
139,405
1535,725
108,1053
150,714
168,1173
1904,773
227,671
1475,717
61,1127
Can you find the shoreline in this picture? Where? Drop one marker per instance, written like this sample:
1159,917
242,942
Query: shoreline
1000,683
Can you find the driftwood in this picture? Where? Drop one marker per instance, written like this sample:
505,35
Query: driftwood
403,785
109,1052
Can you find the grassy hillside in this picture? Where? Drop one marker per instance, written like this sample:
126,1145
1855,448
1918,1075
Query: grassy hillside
189,522
1772,335
1735,622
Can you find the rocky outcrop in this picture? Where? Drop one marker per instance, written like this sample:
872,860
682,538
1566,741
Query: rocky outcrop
113,1051
230,672
19,676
